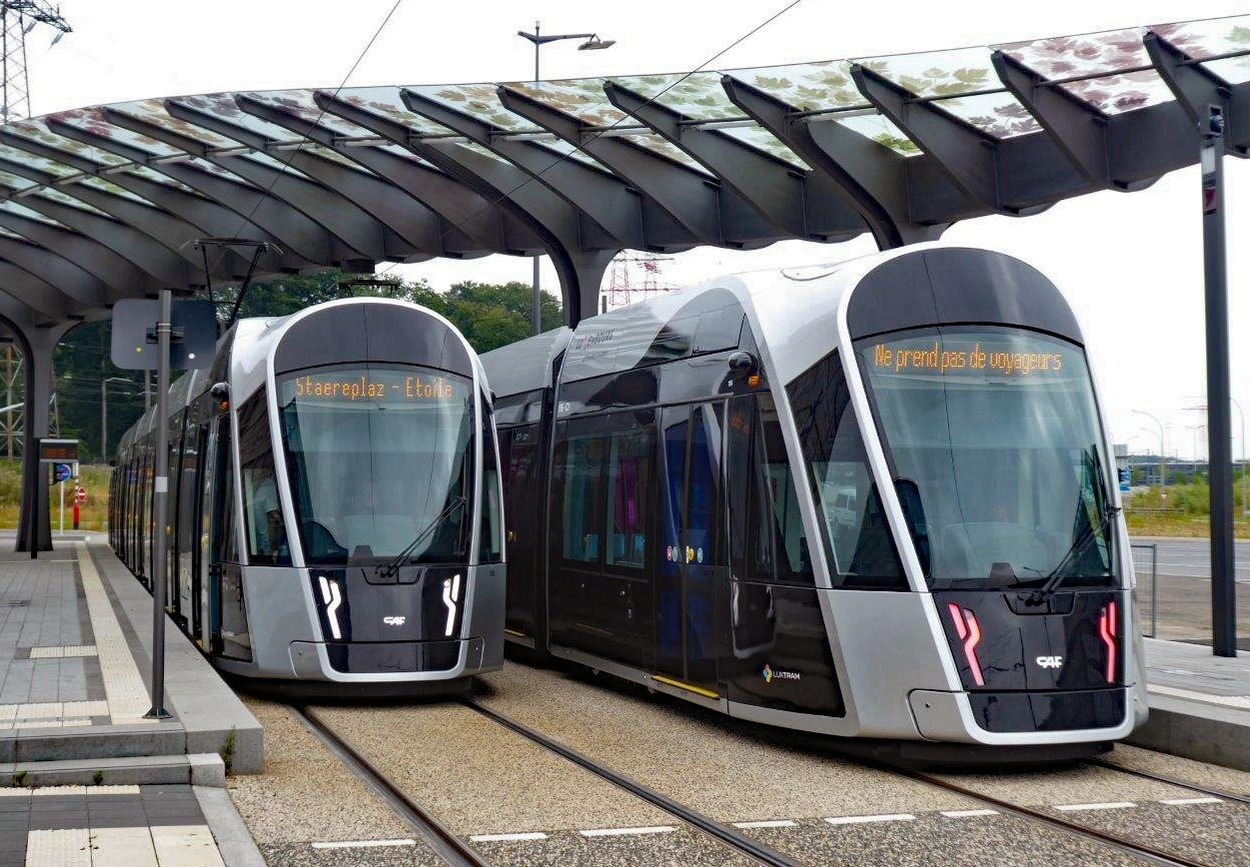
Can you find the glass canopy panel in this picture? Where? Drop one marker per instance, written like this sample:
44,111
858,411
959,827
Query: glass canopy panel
1213,37
559,147
38,132
13,183
938,73
479,101
1108,67
301,104
823,86
91,121
18,210
582,98
762,140
996,114
386,102
152,111
698,96
882,130
663,147
148,174
51,167
55,195
106,186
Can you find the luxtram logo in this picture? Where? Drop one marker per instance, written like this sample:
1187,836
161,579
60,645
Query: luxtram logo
770,674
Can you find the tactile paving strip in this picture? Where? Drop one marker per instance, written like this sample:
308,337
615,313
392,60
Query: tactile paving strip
123,686
71,652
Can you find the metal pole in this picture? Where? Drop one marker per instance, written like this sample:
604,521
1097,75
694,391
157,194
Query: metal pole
147,390
538,295
160,504
104,421
1219,391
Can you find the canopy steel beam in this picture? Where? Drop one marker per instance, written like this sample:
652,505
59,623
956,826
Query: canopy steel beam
1017,176
421,191
48,304
467,210
633,220
580,249
875,179
353,234
1196,88
1124,152
293,230
696,201
410,231
797,202
85,289
214,219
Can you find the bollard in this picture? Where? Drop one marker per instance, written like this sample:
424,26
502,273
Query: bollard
76,507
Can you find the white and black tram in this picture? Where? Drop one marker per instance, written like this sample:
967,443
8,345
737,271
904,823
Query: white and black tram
872,499
335,512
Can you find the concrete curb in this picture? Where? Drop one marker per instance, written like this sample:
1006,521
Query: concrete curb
213,717
1196,730
235,843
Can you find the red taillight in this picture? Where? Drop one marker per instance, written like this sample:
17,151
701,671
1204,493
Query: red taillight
1106,631
969,632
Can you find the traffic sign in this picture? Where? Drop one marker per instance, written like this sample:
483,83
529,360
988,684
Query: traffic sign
62,472
80,495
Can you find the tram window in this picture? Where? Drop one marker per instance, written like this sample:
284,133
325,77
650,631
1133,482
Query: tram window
629,472
578,481
262,511
490,545
858,542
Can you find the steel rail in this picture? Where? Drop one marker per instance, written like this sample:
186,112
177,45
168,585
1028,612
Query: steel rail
434,833
1172,781
1140,850
721,832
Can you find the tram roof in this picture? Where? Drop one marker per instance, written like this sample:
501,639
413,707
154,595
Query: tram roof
105,202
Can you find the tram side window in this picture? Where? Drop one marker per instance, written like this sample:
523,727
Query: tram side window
262,511
630,455
490,542
769,541
578,481
858,542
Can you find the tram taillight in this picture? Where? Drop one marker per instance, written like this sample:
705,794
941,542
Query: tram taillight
969,632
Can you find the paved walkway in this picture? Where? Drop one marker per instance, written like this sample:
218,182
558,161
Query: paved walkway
94,826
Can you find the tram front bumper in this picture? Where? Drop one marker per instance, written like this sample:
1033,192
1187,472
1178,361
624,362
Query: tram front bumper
386,660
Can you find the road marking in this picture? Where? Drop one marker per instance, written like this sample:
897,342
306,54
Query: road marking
64,847
968,814
1181,802
623,832
1110,805
363,844
768,823
507,838
857,820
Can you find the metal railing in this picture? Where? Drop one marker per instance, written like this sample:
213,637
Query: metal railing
1146,561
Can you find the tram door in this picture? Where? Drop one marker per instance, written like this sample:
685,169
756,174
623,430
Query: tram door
685,592
518,449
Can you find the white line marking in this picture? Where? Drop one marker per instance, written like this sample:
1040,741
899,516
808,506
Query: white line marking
768,823
968,814
363,844
1111,805
507,838
1182,802
858,820
623,832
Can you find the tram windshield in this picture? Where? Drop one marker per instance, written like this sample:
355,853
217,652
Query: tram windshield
379,455
997,453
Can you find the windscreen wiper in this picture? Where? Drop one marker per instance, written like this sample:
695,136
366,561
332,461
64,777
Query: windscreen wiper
1056,577
388,570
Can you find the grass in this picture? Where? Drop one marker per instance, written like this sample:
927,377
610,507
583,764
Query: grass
94,514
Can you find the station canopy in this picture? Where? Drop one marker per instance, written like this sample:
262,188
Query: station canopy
108,202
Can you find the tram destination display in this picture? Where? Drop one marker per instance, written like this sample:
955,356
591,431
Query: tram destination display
376,386
949,356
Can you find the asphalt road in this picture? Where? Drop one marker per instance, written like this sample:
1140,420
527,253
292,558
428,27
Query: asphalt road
1190,558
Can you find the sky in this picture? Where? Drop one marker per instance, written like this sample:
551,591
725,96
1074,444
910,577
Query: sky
1131,264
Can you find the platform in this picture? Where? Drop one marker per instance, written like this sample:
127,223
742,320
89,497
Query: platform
1199,704
75,640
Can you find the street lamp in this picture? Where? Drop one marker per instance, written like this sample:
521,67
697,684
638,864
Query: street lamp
1163,479
1245,502
591,42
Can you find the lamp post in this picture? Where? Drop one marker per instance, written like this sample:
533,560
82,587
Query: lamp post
591,42
1163,479
1241,415
104,414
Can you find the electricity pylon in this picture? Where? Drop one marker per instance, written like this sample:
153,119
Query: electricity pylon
18,18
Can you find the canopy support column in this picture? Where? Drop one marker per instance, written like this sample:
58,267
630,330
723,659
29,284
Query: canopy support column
34,528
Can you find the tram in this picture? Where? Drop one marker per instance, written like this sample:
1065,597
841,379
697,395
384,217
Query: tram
335,505
872,500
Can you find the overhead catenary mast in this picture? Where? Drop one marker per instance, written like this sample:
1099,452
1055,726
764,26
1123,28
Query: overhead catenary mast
17,19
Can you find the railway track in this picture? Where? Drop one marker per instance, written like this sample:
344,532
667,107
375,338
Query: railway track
445,844
458,853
